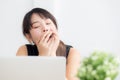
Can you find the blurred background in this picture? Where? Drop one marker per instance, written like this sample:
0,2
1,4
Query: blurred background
87,25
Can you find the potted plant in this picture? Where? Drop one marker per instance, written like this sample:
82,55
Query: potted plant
99,66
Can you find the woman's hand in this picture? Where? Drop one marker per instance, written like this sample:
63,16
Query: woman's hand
48,44
53,43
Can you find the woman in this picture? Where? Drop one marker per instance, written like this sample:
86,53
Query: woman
40,29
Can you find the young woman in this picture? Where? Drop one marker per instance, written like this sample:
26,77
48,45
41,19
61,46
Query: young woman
40,29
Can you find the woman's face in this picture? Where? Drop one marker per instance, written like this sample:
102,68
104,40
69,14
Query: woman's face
40,26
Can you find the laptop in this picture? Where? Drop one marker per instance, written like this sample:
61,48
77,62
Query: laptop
32,68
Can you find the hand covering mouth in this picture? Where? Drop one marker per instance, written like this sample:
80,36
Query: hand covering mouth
51,35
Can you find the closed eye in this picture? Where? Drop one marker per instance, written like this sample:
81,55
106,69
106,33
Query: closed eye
48,23
35,27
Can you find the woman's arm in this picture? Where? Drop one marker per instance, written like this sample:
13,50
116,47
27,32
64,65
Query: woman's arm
22,51
73,63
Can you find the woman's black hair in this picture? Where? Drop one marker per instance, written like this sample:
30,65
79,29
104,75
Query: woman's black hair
42,13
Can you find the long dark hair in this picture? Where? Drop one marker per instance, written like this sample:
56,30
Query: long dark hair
61,51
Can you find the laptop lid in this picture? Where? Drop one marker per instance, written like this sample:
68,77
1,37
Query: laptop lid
32,68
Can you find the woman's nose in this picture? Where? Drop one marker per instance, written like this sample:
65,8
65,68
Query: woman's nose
45,29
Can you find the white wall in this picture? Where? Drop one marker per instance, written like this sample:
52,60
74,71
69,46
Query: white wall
46,4
11,16
88,25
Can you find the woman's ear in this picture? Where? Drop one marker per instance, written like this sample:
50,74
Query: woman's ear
28,36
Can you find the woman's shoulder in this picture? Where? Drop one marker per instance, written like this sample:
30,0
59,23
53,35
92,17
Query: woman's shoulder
74,54
71,50
22,51
74,51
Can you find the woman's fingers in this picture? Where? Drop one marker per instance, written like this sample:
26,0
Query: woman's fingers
48,37
56,38
53,42
43,37
50,42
